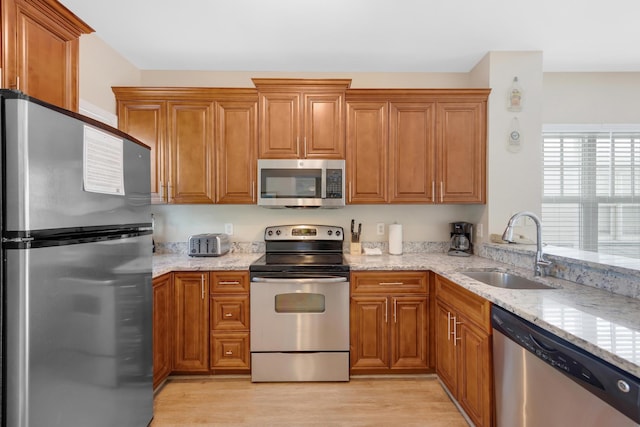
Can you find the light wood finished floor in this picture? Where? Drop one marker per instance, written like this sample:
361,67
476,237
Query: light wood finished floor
413,401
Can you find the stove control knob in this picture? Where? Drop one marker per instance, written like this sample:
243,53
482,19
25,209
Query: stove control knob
278,232
338,233
270,232
329,232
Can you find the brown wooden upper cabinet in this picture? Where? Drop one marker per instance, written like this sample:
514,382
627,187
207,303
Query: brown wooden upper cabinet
416,146
40,50
301,118
203,141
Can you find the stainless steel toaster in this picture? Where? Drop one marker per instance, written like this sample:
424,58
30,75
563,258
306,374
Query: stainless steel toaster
213,244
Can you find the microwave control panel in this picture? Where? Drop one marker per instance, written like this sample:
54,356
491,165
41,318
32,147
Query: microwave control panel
334,183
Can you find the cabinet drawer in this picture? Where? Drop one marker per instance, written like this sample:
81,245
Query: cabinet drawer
230,350
385,282
229,313
468,304
229,282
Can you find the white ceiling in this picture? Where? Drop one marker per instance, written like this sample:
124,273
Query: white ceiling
364,35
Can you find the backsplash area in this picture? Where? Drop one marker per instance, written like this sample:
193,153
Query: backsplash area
615,274
258,247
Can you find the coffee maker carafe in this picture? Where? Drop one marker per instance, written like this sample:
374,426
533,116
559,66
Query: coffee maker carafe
460,244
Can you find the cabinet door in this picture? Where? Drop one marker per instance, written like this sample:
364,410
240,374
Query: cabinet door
162,326
191,153
146,121
279,125
191,322
411,152
367,154
446,365
409,334
369,332
461,152
235,142
324,126
475,376
41,50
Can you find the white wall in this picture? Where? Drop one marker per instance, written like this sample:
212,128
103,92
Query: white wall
514,179
593,98
100,68
358,80
420,223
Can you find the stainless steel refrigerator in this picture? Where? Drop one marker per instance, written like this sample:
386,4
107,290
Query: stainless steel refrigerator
76,270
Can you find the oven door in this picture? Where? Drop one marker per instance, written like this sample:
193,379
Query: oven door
298,315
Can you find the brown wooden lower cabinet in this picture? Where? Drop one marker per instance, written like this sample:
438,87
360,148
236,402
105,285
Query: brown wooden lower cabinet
389,322
200,323
229,322
191,322
463,349
162,328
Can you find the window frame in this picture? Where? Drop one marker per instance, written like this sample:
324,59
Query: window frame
589,230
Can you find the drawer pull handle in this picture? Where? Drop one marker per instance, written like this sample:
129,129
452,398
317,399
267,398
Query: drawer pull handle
391,283
228,315
235,282
229,353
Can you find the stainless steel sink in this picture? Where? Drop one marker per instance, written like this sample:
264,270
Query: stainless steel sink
505,280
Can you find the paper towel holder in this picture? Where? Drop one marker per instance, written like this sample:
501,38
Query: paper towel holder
395,239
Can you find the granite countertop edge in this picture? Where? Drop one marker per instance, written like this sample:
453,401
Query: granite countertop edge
545,308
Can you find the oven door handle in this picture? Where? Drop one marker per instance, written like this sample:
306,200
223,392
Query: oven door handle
305,280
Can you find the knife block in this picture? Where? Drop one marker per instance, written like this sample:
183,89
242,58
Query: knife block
355,248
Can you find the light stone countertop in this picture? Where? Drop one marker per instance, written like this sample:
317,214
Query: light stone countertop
167,263
599,321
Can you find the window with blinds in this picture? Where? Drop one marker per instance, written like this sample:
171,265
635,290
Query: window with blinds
591,190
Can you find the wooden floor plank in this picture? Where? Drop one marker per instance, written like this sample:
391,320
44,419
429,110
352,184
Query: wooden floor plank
411,401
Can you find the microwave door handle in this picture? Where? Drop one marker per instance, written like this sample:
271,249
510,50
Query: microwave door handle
323,185
309,280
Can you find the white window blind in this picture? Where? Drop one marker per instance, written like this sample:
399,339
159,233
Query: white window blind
591,190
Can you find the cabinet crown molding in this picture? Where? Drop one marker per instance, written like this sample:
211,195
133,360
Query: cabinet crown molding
63,15
302,83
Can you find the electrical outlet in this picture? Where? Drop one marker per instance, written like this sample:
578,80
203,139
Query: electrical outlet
479,231
380,228
228,229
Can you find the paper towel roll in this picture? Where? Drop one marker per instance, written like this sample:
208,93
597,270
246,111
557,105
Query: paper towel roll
395,239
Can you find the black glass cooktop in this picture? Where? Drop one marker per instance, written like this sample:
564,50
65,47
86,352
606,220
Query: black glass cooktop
300,262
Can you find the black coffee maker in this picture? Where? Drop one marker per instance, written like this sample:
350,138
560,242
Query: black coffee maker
460,244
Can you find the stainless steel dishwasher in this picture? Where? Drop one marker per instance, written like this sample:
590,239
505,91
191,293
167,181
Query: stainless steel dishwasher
543,380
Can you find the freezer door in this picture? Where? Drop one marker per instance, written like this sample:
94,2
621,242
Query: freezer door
44,164
78,336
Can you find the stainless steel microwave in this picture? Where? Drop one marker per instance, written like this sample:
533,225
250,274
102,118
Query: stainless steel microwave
301,183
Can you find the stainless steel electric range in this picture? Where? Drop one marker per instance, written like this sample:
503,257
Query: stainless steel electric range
300,306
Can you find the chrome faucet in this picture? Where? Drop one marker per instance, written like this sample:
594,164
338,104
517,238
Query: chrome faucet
507,236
